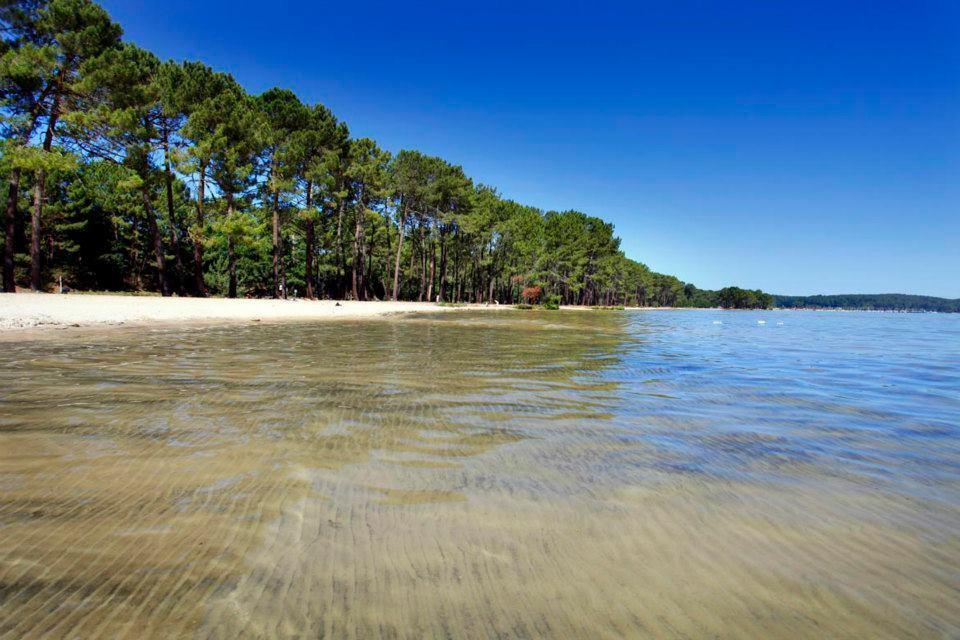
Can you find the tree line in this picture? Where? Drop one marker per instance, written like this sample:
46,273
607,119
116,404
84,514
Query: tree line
124,172
870,302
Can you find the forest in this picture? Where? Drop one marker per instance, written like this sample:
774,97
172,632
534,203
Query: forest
123,172
870,302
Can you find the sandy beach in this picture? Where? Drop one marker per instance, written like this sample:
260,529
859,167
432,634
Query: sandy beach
38,311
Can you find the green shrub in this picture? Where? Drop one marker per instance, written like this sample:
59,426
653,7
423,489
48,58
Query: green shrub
551,302
524,306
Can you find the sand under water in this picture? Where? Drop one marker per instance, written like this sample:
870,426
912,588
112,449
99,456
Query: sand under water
481,475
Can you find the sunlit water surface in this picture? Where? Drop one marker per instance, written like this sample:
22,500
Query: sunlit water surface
572,474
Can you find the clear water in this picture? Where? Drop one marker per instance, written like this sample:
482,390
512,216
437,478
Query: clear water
502,474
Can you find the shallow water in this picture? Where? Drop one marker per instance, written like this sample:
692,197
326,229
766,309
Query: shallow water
569,474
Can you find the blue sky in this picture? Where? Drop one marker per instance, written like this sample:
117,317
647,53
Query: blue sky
799,147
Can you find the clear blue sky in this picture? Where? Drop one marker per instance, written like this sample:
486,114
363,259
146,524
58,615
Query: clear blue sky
799,147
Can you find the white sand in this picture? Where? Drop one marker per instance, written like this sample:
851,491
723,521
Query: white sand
43,310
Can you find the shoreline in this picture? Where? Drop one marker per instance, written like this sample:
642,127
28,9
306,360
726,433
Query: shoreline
29,315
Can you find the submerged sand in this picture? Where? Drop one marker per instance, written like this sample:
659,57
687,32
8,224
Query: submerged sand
40,310
486,476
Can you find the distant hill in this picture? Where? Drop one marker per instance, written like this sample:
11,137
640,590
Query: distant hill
869,302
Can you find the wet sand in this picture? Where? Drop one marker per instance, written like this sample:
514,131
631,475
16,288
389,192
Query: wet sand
470,476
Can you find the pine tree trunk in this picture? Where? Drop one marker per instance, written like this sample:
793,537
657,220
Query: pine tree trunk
283,275
433,271
308,259
476,281
231,256
423,266
309,233
396,266
198,239
357,271
368,280
35,230
10,226
456,283
458,276
13,193
231,269
387,258
341,261
276,244
171,213
157,242
40,187
442,284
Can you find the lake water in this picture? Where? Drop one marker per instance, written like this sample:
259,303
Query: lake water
653,474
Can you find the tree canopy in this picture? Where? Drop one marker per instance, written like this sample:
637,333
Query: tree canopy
124,172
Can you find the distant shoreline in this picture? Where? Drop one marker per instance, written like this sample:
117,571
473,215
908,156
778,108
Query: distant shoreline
899,302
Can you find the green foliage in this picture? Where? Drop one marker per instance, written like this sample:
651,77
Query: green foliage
737,298
35,158
870,302
161,172
103,232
